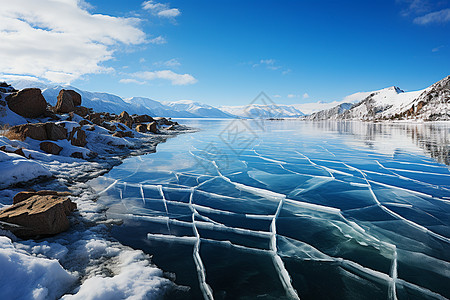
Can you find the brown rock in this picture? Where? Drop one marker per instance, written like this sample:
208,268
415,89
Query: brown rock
77,137
76,98
77,155
171,127
20,152
163,121
65,102
51,115
50,147
125,118
39,216
21,196
28,103
141,128
142,119
84,122
55,132
152,127
81,111
109,126
21,132
121,127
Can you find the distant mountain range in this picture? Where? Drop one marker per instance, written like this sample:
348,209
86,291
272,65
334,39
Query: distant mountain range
432,103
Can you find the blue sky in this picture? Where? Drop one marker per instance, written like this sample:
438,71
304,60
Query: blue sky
226,52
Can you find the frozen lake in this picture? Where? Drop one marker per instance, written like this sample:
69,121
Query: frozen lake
292,209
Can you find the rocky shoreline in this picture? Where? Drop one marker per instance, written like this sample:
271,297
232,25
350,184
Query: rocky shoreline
45,163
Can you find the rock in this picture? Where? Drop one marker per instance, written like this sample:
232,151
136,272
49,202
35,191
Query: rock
65,102
96,118
125,118
35,131
109,126
28,103
92,128
84,122
21,196
81,111
55,132
77,155
38,216
152,127
51,115
163,121
141,128
76,98
20,152
123,134
50,147
77,137
121,127
171,127
142,119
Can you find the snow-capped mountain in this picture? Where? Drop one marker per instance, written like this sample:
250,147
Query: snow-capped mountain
263,111
198,109
329,114
432,103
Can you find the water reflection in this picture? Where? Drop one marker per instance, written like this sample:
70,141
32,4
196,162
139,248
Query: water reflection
432,138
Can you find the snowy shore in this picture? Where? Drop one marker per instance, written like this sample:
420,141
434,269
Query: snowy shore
83,262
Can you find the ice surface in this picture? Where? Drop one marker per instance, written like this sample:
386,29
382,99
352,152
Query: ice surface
317,203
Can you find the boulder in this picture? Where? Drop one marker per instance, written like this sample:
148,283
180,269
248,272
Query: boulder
152,127
77,155
28,103
141,128
35,131
125,118
21,196
163,121
122,134
77,137
38,216
55,132
142,119
51,115
76,98
171,127
65,103
84,122
50,147
81,111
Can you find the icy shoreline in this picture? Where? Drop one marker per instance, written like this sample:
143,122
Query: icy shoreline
84,262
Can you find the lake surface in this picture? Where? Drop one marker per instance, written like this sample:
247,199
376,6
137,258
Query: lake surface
292,209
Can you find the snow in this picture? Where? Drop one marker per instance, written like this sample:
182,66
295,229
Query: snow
263,111
25,276
17,169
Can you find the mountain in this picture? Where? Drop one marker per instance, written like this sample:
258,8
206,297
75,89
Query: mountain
198,109
431,104
263,111
329,114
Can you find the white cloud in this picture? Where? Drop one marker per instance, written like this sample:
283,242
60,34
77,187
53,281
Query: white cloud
437,49
175,78
160,10
171,63
441,16
292,96
130,80
60,40
158,40
305,96
277,96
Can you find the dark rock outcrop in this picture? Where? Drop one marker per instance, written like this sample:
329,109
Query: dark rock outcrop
77,137
67,100
50,148
38,215
125,118
152,127
37,131
141,128
142,119
28,103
